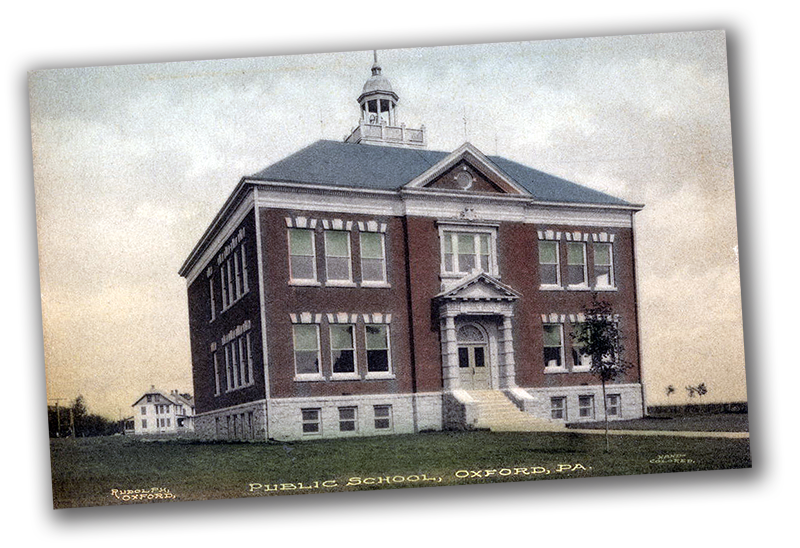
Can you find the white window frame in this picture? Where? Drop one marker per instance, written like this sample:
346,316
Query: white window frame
582,407
560,409
388,418
389,373
318,421
307,376
563,367
340,282
239,362
354,420
303,281
349,375
217,387
585,363
557,245
618,406
612,278
585,283
384,282
452,231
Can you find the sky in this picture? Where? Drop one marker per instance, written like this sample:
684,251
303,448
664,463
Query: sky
132,162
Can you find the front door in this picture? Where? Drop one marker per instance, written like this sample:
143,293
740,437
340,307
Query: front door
473,367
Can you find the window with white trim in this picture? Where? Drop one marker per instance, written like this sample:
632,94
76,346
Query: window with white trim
302,255
144,423
558,408
215,359
238,362
311,421
343,349
603,266
553,346
373,258
467,249
586,407
383,417
338,266
377,343
576,264
613,405
306,350
549,264
212,298
580,360
143,410
347,419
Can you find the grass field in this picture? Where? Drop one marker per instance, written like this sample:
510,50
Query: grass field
87,471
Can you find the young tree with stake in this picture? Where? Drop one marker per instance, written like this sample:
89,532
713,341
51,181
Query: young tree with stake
599,338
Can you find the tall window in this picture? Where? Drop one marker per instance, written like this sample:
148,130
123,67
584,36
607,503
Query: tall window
603,266
373,262
553,346
558,408
549,263
383,417
576,264
377,337
215,358
586,407
337,255
311,421
306,349
302,259
212,298
342,349
239,362
464,252
347,419
580,360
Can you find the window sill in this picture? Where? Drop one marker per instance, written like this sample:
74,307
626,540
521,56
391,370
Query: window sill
340,283
309,378
311,283
384,285
581,369
549,370
242,387
580,287
345,377
606,288
459,275
379,376
551,288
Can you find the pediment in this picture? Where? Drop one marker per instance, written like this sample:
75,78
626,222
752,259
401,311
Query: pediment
466,170
480,287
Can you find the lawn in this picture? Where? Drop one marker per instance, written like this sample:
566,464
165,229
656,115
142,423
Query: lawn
109,470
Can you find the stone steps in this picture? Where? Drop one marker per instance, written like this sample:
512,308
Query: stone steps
499,414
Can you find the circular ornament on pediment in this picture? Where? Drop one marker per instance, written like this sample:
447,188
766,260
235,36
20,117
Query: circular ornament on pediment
464,180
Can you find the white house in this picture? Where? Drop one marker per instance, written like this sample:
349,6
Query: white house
159,413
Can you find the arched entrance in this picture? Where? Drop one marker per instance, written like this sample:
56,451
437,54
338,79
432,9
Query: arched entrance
473,357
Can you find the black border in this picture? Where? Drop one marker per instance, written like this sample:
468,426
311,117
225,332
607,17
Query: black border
732,508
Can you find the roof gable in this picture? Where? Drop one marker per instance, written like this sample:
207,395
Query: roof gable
479,287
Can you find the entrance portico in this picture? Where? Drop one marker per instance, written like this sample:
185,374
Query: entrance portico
477,335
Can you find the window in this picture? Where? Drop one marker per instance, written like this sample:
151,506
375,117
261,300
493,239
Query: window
144,423
377,337
553,346
143,410
549,274
311,421
212,298
149,398
233,275
383,417
337,256
613,405
306,350
347,419
586,407
239,362
603,266
576,264
466,251
373,262
342,349
168,421
302,258
558,408
216,373
580,361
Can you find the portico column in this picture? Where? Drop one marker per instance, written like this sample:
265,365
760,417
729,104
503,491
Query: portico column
507,365
450,376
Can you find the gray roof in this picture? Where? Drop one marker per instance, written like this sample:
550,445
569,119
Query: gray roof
353,165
